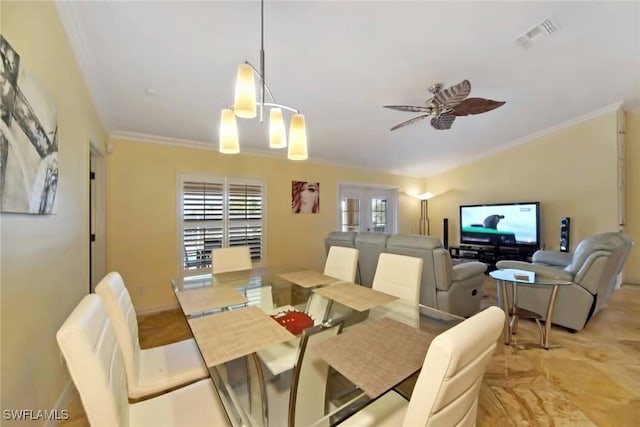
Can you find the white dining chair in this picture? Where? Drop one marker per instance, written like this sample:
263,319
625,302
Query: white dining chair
308,393
342,263
447,388
399,275
233,258
92,352
149,370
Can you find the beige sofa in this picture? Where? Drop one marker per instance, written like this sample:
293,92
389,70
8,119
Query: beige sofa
454,289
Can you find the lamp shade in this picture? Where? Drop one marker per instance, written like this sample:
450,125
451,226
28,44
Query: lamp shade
277,131
228,133
245,96
297,138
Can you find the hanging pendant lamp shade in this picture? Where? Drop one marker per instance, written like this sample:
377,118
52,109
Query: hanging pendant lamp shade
277,131
246,107
245,96
228,133
297,138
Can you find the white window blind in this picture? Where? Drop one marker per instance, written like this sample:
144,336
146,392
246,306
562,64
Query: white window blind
219,212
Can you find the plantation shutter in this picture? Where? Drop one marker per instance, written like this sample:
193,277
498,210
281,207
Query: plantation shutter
219,212
245,217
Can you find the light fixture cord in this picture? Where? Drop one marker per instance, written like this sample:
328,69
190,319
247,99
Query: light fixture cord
262,60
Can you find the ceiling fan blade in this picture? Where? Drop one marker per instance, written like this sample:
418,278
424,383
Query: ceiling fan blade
454,95
475,106
408,122
413,108
443,122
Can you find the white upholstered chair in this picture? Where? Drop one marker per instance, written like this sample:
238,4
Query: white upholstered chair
149,370
89,345
342,263
399,275
308,394
279,358
446,392
234,258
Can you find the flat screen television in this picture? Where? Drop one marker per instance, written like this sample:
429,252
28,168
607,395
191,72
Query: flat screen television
501,224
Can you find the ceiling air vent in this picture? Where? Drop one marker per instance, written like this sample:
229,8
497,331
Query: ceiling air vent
546,27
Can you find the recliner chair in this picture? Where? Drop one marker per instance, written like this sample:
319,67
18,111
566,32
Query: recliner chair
452,288
593,268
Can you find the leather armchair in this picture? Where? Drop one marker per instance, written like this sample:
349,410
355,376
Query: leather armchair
592,268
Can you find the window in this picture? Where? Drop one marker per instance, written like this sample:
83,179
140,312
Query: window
364,208
217,212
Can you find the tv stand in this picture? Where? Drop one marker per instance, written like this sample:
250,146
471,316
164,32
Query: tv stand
490,255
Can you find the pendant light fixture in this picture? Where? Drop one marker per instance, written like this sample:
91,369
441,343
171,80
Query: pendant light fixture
247,107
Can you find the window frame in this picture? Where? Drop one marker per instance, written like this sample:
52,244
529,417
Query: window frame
225,223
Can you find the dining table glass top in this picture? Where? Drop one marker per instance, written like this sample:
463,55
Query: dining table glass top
251,324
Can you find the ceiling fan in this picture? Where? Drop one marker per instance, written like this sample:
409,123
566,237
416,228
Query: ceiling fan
446,105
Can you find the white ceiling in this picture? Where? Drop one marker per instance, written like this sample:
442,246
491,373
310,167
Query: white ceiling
339,62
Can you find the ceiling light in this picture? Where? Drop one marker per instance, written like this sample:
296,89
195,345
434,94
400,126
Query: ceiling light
245,106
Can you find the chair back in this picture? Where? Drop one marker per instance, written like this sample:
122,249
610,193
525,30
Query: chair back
318,307
370,244
399,275
118,305
597,260
308,394
612,269
342,263
437,272
90,348
234,258
446,392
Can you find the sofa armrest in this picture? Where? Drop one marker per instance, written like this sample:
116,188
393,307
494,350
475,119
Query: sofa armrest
466,270
543,270
553,258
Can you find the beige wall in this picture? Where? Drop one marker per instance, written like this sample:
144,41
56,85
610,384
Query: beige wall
632,201
572,172
45,258
141,212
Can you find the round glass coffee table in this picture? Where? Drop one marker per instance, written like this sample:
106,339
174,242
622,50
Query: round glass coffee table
526,278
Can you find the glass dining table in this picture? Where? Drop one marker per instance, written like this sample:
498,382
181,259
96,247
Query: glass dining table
250,326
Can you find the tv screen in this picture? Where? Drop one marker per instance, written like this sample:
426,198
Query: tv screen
504,224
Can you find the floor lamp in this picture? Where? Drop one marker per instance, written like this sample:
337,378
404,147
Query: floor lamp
424,213
424,217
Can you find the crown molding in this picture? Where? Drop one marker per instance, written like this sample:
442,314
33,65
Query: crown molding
553,129
210,146
72,24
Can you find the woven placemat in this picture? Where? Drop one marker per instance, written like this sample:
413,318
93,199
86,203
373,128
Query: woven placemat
232,334
354,296
209,298
377,356
308,278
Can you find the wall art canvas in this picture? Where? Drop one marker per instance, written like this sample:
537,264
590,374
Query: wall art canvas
305,197
28,139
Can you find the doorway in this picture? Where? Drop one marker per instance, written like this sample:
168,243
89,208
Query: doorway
97,215
367,208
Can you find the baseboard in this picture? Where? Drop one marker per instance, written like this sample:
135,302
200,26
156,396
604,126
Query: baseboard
634,282
156,309
62,403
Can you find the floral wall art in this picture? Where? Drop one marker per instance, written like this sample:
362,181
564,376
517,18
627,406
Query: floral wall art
28,139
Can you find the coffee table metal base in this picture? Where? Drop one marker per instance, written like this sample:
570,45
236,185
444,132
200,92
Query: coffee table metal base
515,312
